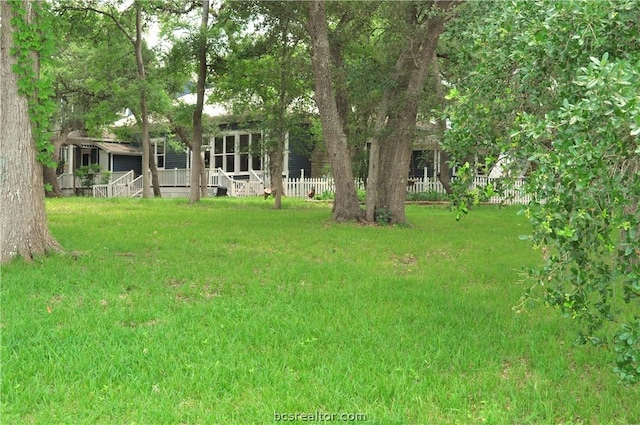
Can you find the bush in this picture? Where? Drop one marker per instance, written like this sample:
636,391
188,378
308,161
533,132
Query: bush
383,216
87,174
105,177
325,196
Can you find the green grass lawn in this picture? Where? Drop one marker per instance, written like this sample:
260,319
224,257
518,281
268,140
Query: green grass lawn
228,312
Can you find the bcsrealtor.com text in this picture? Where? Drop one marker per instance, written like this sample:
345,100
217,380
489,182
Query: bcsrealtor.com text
318,417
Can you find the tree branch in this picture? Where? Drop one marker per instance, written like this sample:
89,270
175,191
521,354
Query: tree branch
103,13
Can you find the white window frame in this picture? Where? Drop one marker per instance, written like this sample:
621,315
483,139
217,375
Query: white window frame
225,152
155,143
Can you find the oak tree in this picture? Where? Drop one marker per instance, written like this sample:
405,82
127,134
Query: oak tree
23,222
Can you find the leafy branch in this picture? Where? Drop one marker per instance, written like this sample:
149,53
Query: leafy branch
32,41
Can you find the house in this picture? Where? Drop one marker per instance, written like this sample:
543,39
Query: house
81,150
234,156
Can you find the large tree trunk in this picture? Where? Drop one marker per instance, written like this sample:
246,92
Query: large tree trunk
410,76
444,173
395,155
346,205
197,164
51,179
196,167
23,221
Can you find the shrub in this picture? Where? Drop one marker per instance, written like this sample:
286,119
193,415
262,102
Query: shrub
325,196
87,174
383,216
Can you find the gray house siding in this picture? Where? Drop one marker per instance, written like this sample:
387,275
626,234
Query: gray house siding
301,145
297,163
175,159
126,163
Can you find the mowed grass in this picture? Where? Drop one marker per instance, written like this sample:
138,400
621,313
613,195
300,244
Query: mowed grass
228,312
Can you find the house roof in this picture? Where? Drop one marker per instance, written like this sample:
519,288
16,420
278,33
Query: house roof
79,136
211,110
119,148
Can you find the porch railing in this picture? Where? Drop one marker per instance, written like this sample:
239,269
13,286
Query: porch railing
120,187
135,187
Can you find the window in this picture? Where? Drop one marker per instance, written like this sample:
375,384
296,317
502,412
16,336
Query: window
256,151
230,157
159,147
230,144
244,152
237,152
63,160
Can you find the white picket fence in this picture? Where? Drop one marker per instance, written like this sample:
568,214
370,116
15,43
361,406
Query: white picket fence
513,195
299,188
123,184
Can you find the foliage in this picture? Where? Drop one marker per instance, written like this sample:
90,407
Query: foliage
327,195
87,174
427,196
95,71
265,78
33,44
554,85
383,216
105,177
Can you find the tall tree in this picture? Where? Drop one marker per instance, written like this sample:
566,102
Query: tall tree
129,22
196,144
421,26
346,205
266,75
23,222
194,50
90,79
147,159
407,34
